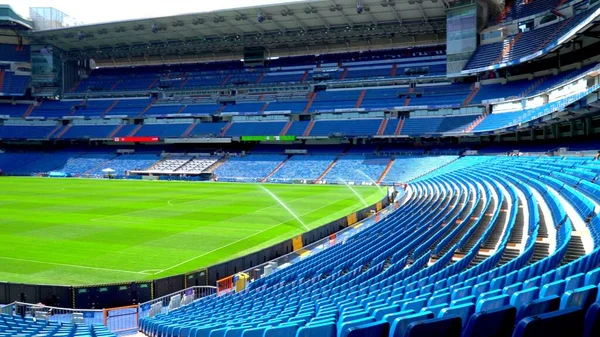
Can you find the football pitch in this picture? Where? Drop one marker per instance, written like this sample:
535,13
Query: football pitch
85,231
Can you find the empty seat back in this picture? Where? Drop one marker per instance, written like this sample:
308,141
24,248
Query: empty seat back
374,329
539,306
399,326
498,322
567,322
592,321
581,297
436,327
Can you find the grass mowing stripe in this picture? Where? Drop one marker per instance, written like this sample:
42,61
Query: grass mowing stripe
242,239
48,220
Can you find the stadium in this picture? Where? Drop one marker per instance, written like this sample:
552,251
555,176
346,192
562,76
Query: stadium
323,168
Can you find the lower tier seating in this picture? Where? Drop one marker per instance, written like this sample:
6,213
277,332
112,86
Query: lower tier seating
460,257
13,326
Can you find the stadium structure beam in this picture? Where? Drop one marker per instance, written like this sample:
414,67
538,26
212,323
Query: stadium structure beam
293,15
252,23
277,24
233,28
425,18
341,11
316,13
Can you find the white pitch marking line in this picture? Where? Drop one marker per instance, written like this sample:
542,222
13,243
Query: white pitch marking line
242,239
72,265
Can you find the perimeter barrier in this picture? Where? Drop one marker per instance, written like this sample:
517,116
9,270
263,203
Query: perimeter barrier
122,294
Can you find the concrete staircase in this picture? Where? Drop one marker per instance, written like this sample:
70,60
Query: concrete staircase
382,127
286,128
309,128
474,124
153,84
225,128
115,131
275,169
29,110
344,73
134,131
327,170
304,77
407,99
55,130
63,131
507,48
311,99
386,171
533,87
114,86
226,79
360,99
399,126
112,106
147,107
215,166
189,130
474,90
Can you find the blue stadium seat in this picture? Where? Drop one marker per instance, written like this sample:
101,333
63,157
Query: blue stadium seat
436,327
566,322
498,322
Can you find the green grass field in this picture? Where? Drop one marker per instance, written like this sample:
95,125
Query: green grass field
78,231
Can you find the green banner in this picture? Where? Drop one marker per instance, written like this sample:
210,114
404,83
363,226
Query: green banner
263,138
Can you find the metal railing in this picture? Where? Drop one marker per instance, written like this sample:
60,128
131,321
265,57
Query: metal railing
54,314
164,304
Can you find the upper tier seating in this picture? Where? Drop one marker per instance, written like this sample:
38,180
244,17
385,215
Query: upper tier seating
301,167
358,169
248,168
359,65
266,128
348,127
88,131
525,44
26,131
12,53
460,257
13,84
162,130
17,110
430,125
13,326
523,8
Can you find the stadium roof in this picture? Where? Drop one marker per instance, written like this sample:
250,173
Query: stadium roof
307,25
10,19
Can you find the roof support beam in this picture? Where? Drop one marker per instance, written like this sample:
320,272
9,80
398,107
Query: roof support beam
252,23
348,21
325,23
425,18
300,23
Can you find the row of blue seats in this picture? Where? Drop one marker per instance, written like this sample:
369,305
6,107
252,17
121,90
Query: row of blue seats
13,326
323,295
